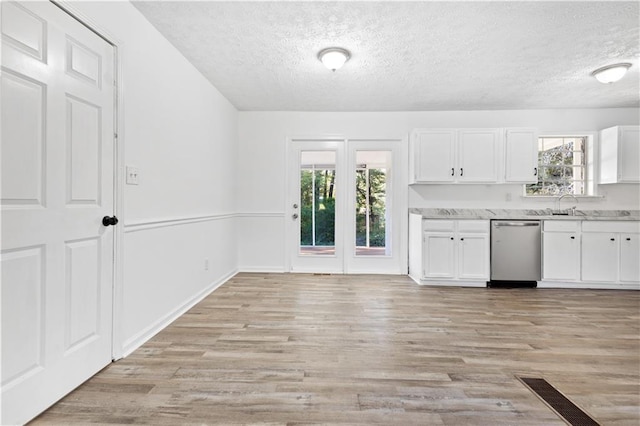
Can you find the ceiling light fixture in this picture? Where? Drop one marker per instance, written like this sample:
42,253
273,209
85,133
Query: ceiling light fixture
611,73
334,57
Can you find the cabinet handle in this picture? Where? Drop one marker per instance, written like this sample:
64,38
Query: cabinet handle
613,239
535,171
451,238
461,172
453,171
628,239
573,238
461,239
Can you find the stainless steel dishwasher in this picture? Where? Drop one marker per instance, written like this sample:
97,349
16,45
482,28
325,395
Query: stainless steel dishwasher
515,253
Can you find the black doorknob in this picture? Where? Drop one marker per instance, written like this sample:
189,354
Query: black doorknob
109,220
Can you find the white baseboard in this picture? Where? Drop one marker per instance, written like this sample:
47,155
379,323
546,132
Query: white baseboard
142,337
589,285
453,283
262,269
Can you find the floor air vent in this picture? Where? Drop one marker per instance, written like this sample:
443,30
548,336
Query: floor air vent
559,403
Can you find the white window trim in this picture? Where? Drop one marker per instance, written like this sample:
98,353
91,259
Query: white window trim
592,166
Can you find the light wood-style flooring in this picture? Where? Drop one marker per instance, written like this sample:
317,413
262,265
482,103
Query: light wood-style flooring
293,349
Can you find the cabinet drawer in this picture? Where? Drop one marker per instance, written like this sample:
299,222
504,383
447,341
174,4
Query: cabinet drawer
438,225
473,226
610,226
561,225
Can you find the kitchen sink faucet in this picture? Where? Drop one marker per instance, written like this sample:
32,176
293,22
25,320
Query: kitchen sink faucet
572,211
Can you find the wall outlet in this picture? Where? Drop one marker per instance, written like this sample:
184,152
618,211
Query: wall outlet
206,264
133,175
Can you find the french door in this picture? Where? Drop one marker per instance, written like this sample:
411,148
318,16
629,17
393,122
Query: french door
346,207
57,185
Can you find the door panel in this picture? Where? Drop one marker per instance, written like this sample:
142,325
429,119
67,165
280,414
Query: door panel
23,128
57,184
374,218
315,202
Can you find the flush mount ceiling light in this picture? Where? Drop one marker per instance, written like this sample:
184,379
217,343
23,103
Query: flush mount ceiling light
611,73
334,57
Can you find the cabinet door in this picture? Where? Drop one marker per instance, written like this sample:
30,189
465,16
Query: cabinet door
433,152
439,261
473,256
629,257
478,155
561,256
629,154
599,257
521,155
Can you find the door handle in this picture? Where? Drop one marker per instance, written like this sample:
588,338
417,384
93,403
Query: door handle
294,216
535,171
109,220
295,206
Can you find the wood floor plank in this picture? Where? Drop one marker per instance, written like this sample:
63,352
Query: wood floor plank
288,349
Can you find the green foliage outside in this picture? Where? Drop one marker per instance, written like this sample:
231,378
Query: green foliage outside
377,199
325,193
325,203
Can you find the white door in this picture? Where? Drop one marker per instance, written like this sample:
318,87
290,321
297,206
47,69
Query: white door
376,193
57,184
314,212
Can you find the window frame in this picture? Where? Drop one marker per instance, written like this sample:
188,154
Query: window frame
591,169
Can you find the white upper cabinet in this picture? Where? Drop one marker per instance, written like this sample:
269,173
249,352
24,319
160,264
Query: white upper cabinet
478,155
620,154
433,152
474,155
455,155
521,155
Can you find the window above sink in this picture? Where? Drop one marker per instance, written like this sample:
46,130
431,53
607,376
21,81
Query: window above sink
565,166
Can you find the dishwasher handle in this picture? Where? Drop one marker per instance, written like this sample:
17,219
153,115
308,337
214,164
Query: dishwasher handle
532,223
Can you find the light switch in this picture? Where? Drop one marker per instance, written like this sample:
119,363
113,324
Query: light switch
133,175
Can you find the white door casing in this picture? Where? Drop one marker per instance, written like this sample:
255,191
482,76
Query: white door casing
57,185
345,259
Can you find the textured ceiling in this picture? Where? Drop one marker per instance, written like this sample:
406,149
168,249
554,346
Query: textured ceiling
407,55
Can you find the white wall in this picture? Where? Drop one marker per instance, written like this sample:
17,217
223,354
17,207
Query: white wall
182,135
261,165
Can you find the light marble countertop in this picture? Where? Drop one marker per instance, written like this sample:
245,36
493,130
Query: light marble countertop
524,214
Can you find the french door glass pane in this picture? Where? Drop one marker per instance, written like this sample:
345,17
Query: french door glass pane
317,203
372,213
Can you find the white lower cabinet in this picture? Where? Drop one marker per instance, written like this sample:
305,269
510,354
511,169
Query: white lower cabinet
596,254
455,250
610,252
473,256
439,255
561,251
630,258
599,257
